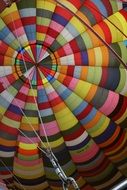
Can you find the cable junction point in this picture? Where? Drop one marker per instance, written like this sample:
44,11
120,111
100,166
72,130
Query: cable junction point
66,181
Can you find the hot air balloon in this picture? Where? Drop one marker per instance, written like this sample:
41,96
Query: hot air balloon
63,94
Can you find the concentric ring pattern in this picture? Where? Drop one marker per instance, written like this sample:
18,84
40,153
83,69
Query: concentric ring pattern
35,67
55,74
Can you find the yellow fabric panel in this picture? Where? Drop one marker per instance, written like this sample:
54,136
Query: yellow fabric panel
43,21
123,52
44,4
78,25
31,120
118,20
32,92
13,91
40,36
94,75
45,80
11,123
28,146
31,106
82,88
98,56
67,4
74,101
87,40
54,143
115,34
65,119
101,129
6,12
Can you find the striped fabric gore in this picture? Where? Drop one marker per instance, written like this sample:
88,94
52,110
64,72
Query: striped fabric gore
57,78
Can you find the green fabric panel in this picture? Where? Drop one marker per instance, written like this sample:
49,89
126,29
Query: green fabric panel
24,4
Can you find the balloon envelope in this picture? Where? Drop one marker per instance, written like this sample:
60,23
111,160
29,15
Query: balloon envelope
59,82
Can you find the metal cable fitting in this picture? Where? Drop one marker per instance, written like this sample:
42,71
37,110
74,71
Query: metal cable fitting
66,181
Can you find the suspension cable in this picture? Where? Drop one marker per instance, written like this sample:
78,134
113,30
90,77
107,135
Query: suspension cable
29,123
66,181
42,125
29,139
59,171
